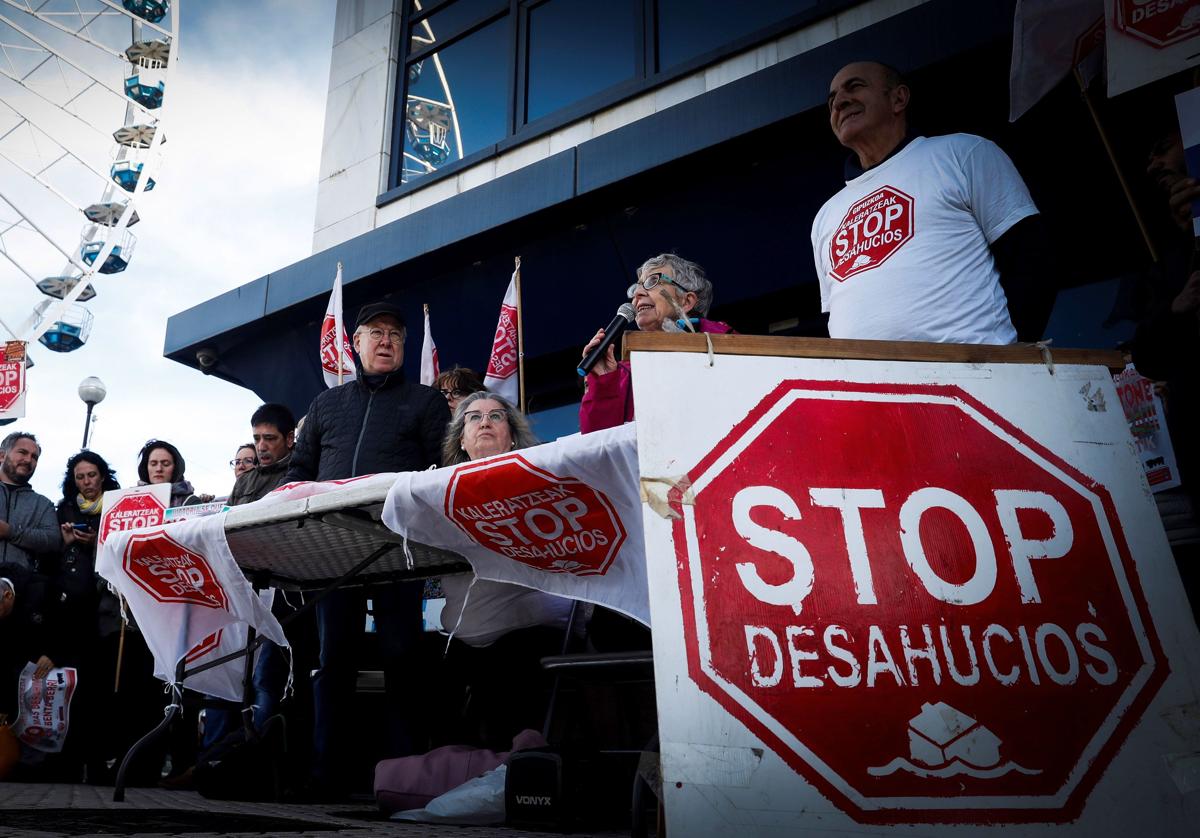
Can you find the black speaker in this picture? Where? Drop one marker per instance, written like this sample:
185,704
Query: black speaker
534,791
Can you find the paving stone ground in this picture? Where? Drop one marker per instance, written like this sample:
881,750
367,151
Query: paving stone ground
61,808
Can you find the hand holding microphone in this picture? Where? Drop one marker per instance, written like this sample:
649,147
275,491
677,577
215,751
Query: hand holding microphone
599,352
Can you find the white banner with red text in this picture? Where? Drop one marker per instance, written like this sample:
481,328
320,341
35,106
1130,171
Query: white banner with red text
563,518
904,593
189,598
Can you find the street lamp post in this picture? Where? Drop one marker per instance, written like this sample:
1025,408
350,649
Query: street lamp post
92,392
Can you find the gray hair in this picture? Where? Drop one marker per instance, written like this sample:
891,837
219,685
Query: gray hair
518,428
7,585
16,436
688,275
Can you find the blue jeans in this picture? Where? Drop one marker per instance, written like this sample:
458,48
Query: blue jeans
270,677
341,619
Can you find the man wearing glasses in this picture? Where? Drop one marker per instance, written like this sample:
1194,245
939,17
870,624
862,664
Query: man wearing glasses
671,295
379,422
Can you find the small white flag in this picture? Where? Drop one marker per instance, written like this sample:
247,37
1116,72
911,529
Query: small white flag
502,371
429,356
1050,39
331,328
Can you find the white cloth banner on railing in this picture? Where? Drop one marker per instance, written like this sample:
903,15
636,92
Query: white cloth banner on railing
564,517
309,488
189,598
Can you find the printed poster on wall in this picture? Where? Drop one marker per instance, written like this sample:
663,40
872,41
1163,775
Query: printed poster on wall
1148,424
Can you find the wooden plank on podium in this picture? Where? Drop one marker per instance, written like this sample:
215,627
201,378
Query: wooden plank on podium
868,350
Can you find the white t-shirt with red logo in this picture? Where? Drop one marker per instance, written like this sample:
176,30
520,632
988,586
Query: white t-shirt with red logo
902,252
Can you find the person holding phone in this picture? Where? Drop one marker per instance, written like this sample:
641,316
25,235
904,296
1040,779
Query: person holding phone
91,616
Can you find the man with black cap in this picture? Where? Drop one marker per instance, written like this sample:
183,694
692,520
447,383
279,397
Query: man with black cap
378,422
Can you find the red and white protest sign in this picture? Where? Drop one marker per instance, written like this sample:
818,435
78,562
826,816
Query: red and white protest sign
128,509
964,598
1149,40
871,231
44,707
556,524
12,380
919,609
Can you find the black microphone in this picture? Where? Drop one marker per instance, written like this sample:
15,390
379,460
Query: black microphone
612,331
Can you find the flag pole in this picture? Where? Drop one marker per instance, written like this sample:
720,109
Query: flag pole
520,335
339,325
1112,158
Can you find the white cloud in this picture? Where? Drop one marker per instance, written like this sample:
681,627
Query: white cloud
235,200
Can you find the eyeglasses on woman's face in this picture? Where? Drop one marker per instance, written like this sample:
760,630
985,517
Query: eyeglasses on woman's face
456,393
651,281
243,461
495,417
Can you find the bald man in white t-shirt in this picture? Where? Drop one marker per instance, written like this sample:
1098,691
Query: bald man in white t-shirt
932,238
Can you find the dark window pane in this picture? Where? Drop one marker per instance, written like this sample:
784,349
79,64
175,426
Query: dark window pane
577,48
457,99
688,28
452,18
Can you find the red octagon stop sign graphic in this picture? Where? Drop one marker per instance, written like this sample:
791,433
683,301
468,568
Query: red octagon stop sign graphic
12,382
170,572
924,612
1158,22
522,512
872,230
131,512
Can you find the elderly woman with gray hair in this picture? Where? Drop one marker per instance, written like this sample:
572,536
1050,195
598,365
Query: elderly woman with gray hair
499,632
671,295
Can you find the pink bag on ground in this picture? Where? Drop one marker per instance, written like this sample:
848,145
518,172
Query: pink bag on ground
411,782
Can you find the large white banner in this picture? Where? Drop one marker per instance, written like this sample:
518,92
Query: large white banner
563,517
887,593
188,596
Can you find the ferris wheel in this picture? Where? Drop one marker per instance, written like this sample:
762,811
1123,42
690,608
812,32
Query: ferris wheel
82,90
430,119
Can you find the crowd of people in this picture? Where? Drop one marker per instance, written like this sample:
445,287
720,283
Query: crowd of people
959,261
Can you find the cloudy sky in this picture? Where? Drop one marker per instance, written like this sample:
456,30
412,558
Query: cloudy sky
235,200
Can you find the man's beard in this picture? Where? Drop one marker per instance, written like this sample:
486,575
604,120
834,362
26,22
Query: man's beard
10,474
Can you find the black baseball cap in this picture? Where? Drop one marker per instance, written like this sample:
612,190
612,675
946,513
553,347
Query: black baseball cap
372,310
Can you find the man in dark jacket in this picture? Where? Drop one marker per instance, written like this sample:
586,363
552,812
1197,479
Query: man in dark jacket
377,423
274,430
28,525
